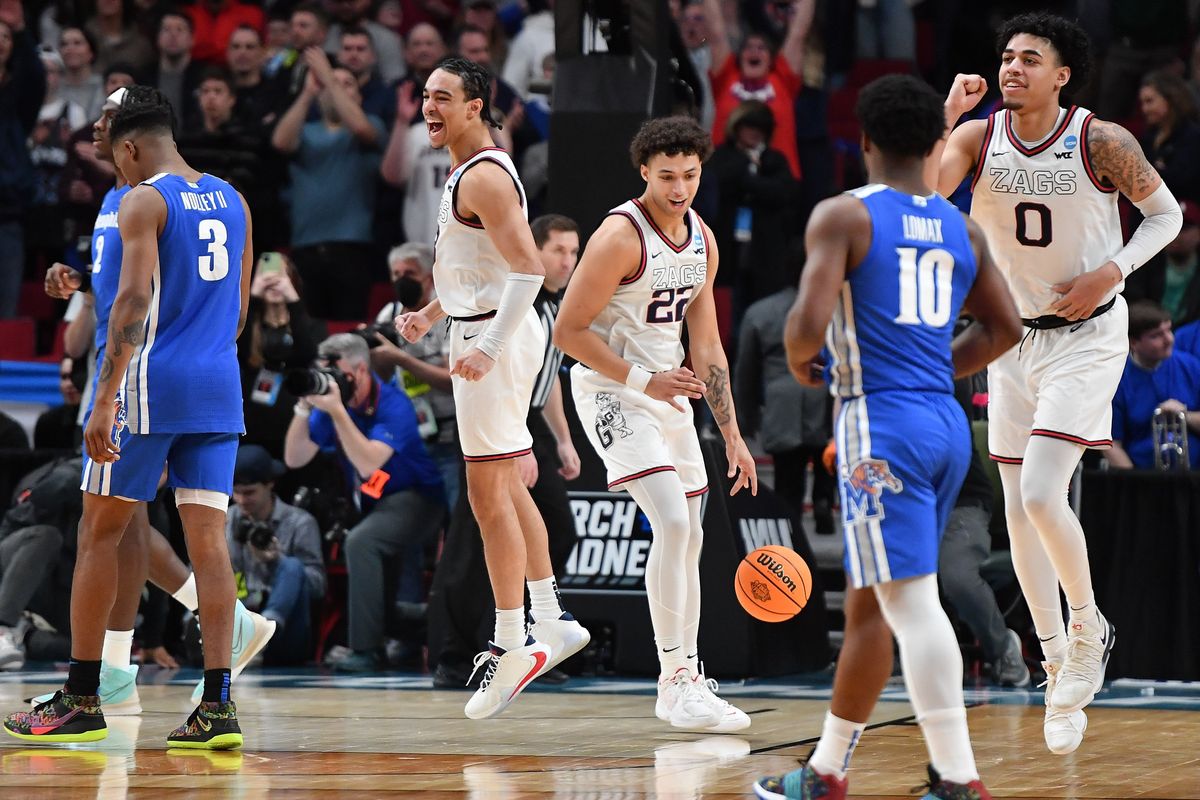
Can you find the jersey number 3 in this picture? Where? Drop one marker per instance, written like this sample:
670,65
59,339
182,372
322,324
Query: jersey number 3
215,265
926,287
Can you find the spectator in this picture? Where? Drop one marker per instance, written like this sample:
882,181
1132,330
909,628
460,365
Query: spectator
81,84
374,431
1171,278
1155,378
791,421
886,30
49,148
275,550
333,169
391,16
757,73
279,34
309,27
352,14
527,54
424,49
257,106
756,205
278,336
37,542
412,162
357,54
1187,339
422,368
58,428
515,133
12,434
22,85
693,29
177,76
481,14
1143,37
438,13
117,39
1172,137
213,23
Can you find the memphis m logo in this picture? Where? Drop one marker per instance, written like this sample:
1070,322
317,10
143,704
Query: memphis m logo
863,484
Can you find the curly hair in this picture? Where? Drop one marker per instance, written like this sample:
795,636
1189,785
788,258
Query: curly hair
670,136
476,81
1066,37
144,110
901,114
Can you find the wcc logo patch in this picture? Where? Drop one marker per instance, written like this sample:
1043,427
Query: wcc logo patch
609,419
864,483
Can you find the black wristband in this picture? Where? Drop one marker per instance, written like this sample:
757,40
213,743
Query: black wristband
85,281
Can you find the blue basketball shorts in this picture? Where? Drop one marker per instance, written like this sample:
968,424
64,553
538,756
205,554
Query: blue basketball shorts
191,460
902,457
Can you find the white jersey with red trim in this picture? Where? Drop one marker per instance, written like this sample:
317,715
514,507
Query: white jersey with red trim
468,270
1046,215
643,322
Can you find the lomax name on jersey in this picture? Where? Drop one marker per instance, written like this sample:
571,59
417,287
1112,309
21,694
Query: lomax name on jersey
203,201
922,229
1032,182
106,220
674,276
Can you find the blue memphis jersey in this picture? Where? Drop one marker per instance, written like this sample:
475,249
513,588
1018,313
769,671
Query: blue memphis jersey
106,267
894,319
184,377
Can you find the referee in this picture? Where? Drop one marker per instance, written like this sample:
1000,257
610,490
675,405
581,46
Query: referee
461,610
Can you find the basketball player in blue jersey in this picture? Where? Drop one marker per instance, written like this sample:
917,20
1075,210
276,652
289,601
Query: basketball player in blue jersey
889,268
144,552
168,393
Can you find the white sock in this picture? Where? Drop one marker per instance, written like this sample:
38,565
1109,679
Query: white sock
543,599
186,594
691,567
1054,648
839,737
1085,614
510,628
117,646
949,744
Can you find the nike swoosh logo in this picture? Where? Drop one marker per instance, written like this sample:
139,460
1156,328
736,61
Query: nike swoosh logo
656,255
672,649
203,723
39,730
998,154
469,338
539,660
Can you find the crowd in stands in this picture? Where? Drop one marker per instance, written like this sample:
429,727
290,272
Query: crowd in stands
312,110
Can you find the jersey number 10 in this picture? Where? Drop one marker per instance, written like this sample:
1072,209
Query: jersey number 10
215,265
926,287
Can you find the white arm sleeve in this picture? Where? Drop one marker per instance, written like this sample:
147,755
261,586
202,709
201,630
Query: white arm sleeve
520,290
1163,221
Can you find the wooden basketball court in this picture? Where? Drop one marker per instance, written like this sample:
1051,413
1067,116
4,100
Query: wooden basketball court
310,735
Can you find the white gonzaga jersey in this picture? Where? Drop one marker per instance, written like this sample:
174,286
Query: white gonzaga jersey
643,322
423,192
468,270
1047,216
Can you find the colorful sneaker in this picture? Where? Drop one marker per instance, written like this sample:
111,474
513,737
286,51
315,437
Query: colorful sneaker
1063,731
1089,644
63,718
251,632
939,789
508,673
683,703
802,784
212,726
564,636
732,719
118,691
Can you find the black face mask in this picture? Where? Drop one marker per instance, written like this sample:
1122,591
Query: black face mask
408,291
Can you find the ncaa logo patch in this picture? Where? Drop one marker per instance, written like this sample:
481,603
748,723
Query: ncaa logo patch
864,484
1070,142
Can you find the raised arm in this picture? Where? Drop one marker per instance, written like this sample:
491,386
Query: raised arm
955,156
997,325
349,110
286,136
718,34
395,167
799,24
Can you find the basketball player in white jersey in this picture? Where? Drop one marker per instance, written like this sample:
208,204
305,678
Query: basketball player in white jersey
487,273
649,267
1046,181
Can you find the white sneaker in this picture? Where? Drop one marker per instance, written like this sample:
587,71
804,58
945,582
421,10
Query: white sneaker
564,636
251,632
1089,645
12,654
508,673
684,704
1063,730
118,691
732,719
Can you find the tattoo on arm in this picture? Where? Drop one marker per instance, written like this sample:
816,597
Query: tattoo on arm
1118,157
717,394
106,369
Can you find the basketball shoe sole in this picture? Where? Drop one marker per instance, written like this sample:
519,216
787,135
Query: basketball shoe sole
508,674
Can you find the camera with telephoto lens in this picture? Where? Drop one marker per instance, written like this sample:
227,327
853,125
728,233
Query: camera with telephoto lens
317,380
256,533
385,329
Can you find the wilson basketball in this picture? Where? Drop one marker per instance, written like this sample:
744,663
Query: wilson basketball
773,583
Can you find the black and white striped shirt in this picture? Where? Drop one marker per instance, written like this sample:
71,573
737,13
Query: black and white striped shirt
546,306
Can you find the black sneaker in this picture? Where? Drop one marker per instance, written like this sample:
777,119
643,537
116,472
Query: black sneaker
63,718
212,726
445,677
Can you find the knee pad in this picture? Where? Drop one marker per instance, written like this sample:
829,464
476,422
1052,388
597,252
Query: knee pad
202,497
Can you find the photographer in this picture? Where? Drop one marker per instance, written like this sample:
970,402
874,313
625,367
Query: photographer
275,550
373,428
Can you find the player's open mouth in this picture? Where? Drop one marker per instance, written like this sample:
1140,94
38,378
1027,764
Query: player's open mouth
434,127
677,203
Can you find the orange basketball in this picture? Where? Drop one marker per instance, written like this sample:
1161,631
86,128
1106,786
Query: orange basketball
773,583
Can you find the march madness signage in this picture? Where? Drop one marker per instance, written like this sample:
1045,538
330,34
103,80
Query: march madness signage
612,543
